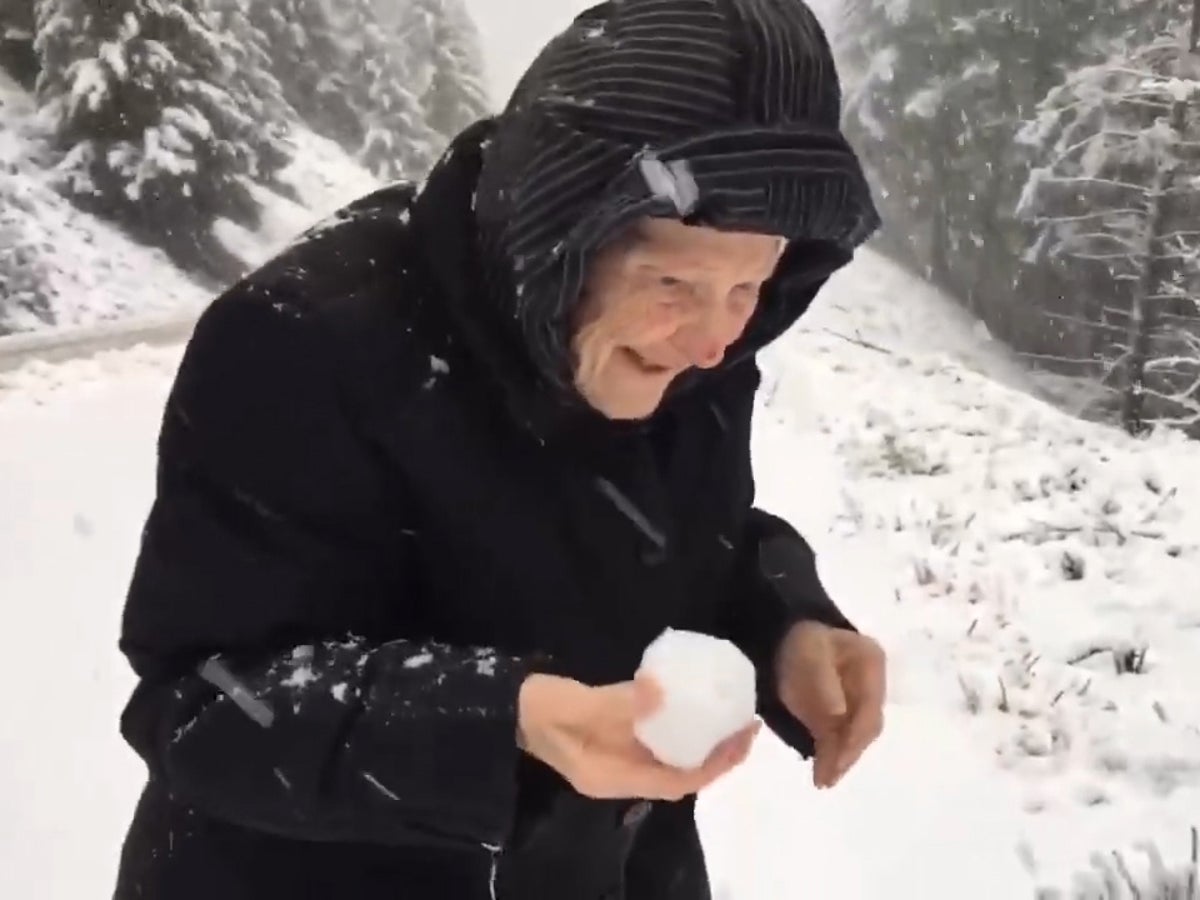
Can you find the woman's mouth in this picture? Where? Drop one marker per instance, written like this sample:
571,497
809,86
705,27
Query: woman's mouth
644,365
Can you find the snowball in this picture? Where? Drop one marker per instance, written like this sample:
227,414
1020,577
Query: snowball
708,688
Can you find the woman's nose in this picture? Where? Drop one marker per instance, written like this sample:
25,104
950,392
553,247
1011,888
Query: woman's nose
708,337
704,347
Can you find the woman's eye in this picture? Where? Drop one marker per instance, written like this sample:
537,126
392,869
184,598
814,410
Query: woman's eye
744,297
669,281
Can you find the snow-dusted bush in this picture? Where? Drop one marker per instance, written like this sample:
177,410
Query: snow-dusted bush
1142,875
24,296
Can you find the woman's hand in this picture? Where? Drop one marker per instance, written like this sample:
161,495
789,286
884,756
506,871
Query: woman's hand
586,735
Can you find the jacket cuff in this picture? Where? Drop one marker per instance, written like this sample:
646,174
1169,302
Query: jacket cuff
794,590
789,568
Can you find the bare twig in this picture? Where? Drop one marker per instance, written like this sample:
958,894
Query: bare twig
1088,654
852,340
1166,498
1124,870
1195,857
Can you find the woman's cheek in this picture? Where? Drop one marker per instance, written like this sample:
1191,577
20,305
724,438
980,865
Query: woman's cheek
660,320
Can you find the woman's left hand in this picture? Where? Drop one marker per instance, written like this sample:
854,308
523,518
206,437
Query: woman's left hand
835,682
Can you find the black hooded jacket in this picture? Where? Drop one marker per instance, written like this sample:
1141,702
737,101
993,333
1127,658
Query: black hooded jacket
381,505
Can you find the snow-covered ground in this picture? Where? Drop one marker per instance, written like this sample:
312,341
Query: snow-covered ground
986,538
1017,563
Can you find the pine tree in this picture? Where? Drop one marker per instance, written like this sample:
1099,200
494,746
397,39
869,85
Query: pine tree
313,59
456,95
17,56
133,91
944,87
398,142
257,91
1115,205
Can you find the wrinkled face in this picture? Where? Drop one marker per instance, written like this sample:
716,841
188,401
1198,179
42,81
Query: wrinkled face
659,300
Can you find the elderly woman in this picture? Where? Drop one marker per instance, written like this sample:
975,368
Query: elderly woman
431,480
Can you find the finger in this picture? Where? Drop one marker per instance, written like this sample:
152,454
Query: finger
746,744
734,749
737,742
865,680
861,732
647,694
825,683
663,782
729,756
826,760
868,673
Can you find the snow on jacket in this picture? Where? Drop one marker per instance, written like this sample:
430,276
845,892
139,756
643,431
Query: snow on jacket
380,505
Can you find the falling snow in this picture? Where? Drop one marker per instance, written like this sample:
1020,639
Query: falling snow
301,676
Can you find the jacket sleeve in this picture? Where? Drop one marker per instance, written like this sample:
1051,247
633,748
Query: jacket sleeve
272,569
775,583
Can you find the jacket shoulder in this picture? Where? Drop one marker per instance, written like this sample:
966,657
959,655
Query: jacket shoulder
348,283
359,243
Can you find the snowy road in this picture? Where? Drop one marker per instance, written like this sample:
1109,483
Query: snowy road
62,345
933,495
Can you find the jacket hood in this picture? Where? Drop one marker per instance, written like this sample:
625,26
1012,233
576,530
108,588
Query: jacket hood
716,112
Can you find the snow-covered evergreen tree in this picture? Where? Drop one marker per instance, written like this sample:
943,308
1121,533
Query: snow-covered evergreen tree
255,88
1116,205
455,95
357,71
313,59
134,94
938,91
17,56
398,142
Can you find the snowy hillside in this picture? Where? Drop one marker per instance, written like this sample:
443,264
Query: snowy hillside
1032,576
91,272
87,269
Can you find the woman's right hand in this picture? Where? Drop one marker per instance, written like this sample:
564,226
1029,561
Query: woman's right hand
586,735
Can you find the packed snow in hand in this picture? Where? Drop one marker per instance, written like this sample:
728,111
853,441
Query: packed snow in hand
708,688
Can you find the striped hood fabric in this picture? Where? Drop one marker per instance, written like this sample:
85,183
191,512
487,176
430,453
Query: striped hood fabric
717,112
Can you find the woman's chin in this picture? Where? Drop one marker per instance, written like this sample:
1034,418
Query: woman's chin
628,407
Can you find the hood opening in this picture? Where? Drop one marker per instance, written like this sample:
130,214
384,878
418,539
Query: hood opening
715,112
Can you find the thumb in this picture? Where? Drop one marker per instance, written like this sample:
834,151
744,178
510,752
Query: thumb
620,705
823,684
647,695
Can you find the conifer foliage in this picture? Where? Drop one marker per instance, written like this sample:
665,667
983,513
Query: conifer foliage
164,114
138,96
1037,161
